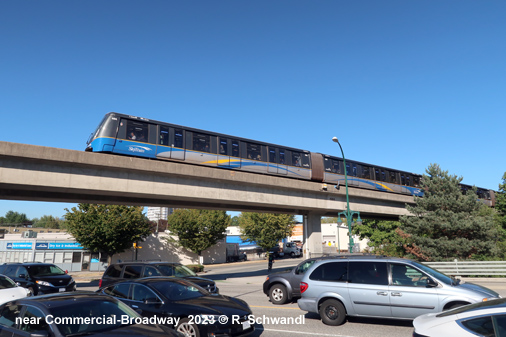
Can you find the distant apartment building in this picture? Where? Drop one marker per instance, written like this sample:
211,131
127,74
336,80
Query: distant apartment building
159,213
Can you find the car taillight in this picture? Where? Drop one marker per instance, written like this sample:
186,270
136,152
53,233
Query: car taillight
100,283
303,287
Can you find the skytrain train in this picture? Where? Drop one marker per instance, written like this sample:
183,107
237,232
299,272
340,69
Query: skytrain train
140,137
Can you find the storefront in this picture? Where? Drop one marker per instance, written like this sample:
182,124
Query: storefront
58,248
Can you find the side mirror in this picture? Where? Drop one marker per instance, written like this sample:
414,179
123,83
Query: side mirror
431,283
22,276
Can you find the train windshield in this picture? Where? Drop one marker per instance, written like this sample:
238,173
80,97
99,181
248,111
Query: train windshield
95,133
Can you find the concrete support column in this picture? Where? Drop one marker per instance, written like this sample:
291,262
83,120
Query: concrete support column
312,235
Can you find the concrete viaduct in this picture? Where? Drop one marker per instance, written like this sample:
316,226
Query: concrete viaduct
36,173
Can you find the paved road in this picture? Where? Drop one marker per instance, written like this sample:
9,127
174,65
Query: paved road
244,280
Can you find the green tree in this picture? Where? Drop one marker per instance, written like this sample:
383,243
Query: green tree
197,230
107,228
447,224
12,217
47,221
500,204
266,229
383,237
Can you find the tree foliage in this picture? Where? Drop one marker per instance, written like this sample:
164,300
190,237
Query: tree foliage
447,224
197,230
500,205
48,221
107,228
12,218
383,237
266,229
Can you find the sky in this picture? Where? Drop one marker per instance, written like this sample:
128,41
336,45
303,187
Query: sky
402,84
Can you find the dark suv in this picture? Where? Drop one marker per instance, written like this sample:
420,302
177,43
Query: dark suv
39,278
132,270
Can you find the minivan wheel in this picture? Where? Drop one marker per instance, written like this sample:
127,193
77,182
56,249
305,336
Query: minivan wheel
278,294
332,312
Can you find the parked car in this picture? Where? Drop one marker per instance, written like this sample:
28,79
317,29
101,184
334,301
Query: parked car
74,314
284,286
10,291
39,278
382,287
478,319
133,270
196,311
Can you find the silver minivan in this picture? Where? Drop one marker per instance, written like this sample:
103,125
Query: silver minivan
383,287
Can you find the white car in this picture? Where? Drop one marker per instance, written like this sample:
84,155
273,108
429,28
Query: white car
10,291
479,319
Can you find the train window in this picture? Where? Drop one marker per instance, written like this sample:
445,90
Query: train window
366,172
336,166
416,181
393,177
282,156
327,164
380,175
178,138
201,142
408,180
305,160
137,131
272,155
235,148
223,146
253,151
351,169
164,135
296,159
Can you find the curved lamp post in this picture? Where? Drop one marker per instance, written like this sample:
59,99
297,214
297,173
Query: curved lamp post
348,214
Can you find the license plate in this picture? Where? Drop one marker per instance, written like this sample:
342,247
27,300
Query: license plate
246,325
61,290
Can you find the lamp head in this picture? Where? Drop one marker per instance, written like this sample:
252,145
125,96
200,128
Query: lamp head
335,140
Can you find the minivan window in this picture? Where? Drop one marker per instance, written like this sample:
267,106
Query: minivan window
132,272
440,276
332,271
368,272
405,275
114,271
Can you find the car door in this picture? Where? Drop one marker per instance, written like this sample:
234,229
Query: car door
368,288
8,316
410,295
144,300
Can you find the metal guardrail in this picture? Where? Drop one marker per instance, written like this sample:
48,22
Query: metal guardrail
470,268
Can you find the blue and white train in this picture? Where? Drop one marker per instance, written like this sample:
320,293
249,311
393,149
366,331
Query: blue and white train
141,137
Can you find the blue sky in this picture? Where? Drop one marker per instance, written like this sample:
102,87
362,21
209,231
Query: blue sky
402,84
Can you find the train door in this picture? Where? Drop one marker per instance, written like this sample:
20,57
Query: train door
351,170
163,148
170,143
223,152
177,144
273,160
282,167
235,158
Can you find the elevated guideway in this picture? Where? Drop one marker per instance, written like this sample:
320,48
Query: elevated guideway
36,173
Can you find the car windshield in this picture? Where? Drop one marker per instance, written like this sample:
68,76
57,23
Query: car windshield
47,270
178,291
432,272
175,270
6,283
82,317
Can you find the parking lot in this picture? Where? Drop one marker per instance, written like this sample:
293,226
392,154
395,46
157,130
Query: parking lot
244,280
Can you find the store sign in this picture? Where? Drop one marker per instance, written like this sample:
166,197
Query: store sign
65,245
42,245
19,245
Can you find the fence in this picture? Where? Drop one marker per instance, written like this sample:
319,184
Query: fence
470,268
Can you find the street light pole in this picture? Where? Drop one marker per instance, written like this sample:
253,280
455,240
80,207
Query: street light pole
348,214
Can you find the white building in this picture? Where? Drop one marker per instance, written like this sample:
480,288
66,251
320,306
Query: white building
159,213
